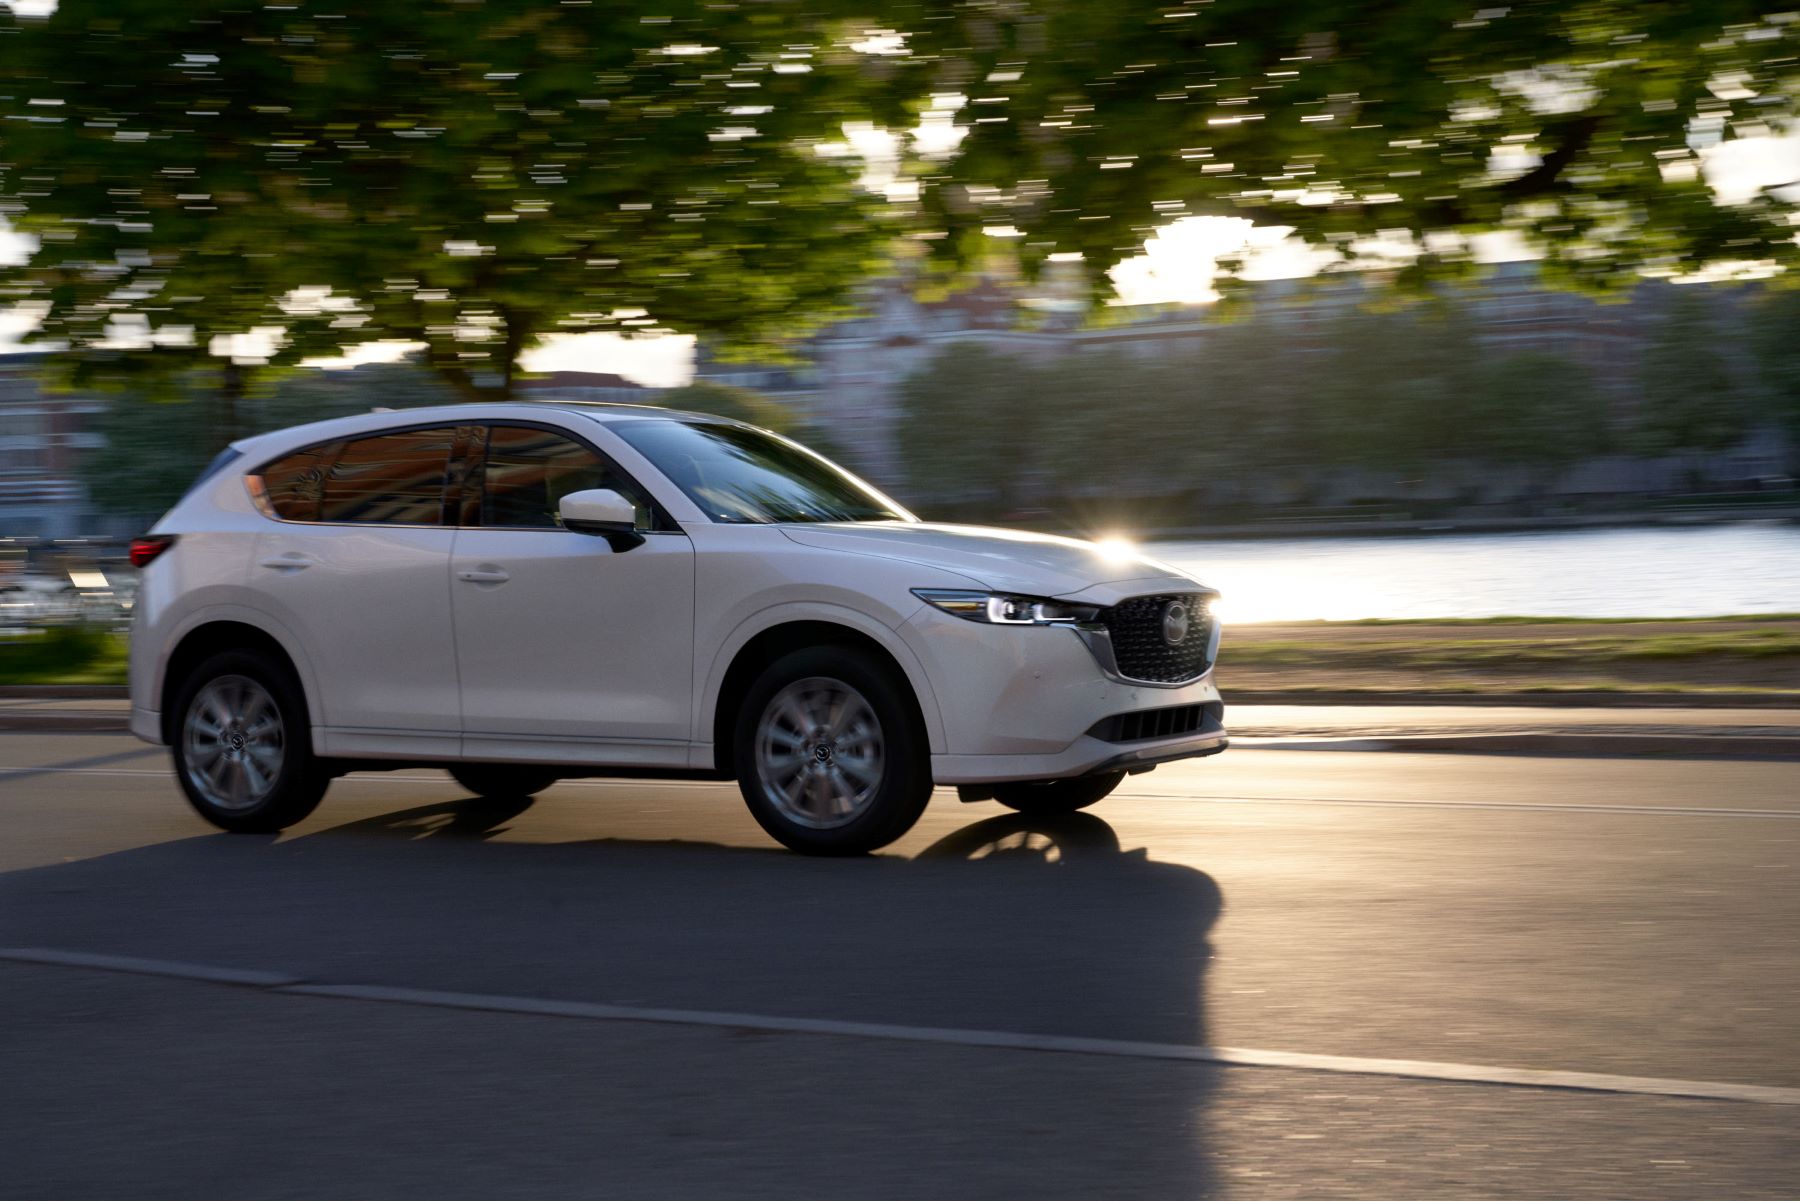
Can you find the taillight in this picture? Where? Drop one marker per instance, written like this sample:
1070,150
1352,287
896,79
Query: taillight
145,550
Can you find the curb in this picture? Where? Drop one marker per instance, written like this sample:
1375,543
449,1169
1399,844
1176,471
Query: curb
64,692
65,722
1632,746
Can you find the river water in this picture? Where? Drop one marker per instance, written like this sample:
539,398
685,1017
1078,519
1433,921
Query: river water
1684,571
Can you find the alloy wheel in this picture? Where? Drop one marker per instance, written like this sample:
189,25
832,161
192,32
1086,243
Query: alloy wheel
819,753
233,742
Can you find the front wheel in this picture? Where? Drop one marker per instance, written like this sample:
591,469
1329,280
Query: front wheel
1057,796
829,753
243,744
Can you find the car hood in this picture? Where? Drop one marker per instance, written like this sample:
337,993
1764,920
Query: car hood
1003,560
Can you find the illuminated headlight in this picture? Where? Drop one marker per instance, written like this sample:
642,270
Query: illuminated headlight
1004,609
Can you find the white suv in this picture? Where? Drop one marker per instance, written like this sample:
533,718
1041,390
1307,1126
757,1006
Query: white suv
526,592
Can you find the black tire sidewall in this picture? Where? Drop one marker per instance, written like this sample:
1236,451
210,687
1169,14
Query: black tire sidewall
300,784
906,759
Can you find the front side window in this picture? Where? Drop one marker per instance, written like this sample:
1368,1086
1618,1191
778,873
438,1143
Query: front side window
741,475
527,472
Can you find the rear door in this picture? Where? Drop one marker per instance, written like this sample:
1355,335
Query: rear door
357,564
566,648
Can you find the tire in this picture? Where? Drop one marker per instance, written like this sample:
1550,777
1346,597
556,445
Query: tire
1057,796
821,791
243,744
503,779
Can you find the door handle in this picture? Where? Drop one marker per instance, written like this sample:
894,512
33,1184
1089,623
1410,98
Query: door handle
287,562
484,575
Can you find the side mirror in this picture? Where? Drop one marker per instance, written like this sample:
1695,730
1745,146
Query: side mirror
602,512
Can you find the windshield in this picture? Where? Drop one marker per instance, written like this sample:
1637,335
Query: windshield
742,475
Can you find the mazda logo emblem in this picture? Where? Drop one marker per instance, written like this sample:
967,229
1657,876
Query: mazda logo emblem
1175,623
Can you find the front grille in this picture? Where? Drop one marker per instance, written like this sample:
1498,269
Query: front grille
1139,648
1156,723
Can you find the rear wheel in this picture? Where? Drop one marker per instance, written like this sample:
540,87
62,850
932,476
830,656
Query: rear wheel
243,744
829,753
502,779
1057,796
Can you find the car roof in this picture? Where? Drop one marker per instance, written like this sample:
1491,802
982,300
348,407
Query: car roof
375,420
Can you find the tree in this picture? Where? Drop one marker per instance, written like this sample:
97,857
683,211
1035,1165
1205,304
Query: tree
470,176
155,447
1773,318
970,424
739,404
476,175
1689,397
1575,125
1536,409
1392,387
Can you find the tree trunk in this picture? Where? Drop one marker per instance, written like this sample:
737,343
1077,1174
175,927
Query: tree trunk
229,426
514,342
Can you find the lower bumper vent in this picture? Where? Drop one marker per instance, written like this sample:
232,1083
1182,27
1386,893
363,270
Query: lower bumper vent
1171,722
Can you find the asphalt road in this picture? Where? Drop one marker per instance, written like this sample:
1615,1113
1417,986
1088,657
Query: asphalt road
1607,917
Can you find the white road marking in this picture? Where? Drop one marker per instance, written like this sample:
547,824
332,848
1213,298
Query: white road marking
150,967
1411,1069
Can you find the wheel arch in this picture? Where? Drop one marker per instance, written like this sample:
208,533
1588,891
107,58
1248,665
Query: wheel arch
210,637
757,650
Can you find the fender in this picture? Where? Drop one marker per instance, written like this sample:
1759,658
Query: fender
250,616
707,695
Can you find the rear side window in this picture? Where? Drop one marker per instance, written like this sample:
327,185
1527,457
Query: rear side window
388,479
290,488
526,473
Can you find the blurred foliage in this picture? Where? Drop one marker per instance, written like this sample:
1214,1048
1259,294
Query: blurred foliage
476,175
724,400
1690,396
971,424
1576,125
155,447
471,175
64,654
1774,332
1402,393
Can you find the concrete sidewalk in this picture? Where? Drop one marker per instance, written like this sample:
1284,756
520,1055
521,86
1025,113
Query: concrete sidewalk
1695,731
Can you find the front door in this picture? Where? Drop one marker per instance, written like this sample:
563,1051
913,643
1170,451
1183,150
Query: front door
567,649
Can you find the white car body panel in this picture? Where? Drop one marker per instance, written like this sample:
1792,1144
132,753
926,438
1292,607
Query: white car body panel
372,606
590,657
606,656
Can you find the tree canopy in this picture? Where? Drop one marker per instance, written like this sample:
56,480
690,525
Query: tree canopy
469,175
1577,125
475,175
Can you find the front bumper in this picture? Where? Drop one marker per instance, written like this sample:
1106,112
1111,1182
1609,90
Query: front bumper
1033,703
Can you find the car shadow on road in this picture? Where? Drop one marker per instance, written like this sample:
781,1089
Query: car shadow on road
1038,926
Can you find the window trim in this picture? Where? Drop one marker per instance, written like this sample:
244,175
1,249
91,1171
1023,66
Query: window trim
455,472
476,460
467,452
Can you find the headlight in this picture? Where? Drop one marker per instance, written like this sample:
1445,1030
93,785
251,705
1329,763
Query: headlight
1004,609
